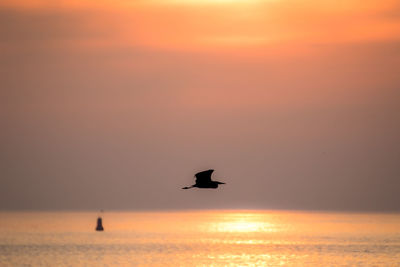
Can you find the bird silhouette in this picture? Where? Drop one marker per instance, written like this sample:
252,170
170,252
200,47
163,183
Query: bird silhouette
203,180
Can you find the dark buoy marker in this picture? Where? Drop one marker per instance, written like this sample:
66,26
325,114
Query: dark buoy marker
99,226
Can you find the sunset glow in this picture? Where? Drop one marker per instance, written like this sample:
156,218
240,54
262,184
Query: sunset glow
221,24
199,133
298,96
242,222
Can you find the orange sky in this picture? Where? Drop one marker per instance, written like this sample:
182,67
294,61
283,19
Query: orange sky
227,24
165,88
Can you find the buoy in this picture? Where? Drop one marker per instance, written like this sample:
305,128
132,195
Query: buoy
99,226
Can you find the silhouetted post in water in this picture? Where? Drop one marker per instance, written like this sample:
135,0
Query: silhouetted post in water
99,226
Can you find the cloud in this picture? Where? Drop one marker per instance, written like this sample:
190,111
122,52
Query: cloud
155,25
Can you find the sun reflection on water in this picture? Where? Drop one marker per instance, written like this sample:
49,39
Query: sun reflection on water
200,238
243,226
242,223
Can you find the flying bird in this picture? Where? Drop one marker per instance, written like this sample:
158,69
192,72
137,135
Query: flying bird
203,180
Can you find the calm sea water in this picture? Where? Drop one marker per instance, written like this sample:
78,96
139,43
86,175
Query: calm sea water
201,238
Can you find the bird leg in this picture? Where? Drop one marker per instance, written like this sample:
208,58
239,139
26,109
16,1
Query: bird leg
187,187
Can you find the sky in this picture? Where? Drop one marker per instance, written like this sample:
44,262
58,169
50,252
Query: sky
117,104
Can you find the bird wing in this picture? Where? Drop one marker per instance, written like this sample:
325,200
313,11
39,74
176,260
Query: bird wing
204,176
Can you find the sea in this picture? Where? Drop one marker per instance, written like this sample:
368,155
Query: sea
200,238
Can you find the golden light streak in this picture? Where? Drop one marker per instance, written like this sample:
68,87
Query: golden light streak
242,222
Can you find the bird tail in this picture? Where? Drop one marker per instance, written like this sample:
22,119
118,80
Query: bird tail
187,187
